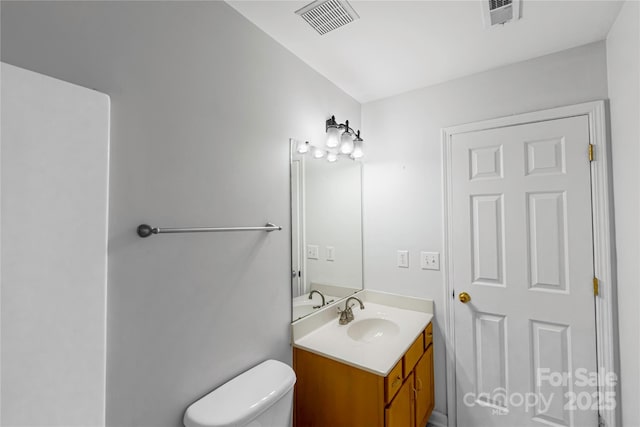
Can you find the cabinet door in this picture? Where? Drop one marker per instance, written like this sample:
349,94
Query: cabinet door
400,412
424,387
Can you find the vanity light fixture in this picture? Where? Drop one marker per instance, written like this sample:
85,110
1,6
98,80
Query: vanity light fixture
317,153
357,152
302,147
342,141
333,134
344,138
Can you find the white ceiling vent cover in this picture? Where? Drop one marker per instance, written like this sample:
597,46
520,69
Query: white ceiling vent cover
328,15
500,11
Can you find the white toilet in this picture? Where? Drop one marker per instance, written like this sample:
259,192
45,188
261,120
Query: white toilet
260,397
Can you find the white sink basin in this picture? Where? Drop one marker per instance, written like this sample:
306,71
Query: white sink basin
375,340
372,330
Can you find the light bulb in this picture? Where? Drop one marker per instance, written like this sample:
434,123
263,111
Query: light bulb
333,137
332,157
357,149
346,142
303,147
318,153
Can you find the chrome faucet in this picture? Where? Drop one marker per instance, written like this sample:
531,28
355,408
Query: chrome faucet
321,296
346,315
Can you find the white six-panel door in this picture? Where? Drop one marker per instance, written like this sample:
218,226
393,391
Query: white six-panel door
522,250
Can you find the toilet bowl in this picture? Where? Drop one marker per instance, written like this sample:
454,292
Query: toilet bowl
260,397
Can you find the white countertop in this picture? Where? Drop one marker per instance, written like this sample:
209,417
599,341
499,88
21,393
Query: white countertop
325,337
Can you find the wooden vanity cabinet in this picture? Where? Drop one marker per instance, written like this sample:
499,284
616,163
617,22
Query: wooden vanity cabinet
330,393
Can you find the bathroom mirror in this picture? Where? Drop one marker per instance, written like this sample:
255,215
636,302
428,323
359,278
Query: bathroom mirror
326,230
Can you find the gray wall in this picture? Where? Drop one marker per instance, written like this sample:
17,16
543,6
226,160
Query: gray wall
203,104
54,173
623,67
402,173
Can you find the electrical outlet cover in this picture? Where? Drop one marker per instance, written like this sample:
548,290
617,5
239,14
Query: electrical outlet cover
313,252
430,260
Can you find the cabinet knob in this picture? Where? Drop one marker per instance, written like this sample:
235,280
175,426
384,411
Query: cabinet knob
395,381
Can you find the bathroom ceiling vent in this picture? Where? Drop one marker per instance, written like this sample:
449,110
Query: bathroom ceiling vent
328,15
500,11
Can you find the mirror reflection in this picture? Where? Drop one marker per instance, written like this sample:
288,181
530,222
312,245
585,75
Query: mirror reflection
326,237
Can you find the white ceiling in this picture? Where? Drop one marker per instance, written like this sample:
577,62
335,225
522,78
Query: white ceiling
397,46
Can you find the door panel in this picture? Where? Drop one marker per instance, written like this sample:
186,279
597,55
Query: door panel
487,244
424,387
400,412
547,252
550,348
522,249
490,355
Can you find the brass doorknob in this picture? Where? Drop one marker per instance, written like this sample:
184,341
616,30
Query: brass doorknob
464,297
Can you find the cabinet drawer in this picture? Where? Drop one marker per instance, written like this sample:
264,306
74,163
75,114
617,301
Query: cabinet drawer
393,382
414,353
428,336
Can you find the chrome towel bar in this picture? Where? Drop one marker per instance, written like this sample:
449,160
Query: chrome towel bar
145,230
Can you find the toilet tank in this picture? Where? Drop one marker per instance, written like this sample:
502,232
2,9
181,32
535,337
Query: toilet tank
263,392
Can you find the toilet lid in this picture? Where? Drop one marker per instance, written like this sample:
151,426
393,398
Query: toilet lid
243,398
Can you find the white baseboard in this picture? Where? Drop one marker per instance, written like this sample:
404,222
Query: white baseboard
438,419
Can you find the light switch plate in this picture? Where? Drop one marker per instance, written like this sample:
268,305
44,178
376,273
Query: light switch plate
331,253
313,252
403,259
430,260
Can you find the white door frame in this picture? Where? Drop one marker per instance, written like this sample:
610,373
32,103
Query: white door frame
298,229
601,190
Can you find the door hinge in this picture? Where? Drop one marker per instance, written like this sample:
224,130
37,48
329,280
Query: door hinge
591,153
596,286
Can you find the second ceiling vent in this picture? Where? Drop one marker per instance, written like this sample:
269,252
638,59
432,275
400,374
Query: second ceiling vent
328,15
